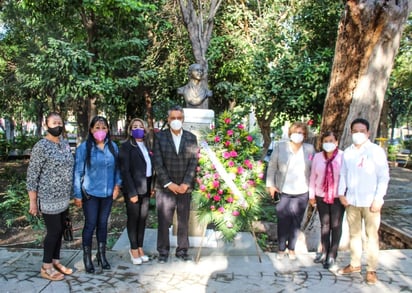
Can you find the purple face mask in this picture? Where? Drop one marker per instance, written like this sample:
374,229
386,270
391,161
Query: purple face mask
138,133
99,135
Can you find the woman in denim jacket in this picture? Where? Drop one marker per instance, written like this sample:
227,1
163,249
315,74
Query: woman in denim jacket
288,173
97,172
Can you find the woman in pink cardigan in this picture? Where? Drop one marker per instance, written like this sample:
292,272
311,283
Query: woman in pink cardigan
323,187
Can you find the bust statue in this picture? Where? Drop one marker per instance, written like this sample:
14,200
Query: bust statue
195,92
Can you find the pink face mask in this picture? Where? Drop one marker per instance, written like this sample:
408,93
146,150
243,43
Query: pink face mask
99,135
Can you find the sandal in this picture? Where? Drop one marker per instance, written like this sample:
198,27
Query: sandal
51,274
62,269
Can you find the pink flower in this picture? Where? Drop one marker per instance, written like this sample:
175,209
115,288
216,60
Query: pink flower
208,195
221,209
216,198
202,187
226,155
198,169
220,191
227,120
248,164
233,154
235,213
241,126
216,184
229,225
212,208
231,163
240,170
251,182
229,132
310,122
227,143
217,138
261,175
229,199
216,176
249,138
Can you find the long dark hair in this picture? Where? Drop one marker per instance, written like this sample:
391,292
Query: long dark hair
90,140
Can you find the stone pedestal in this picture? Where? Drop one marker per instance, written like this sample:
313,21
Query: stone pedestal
195,228
198,121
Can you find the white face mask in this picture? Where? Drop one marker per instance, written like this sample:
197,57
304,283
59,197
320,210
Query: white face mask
359,138
176,124
296,137
329,147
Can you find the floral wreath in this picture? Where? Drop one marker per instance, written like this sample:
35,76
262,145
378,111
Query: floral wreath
229,181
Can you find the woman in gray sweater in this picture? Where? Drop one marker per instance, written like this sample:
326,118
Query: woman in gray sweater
288,174
49,184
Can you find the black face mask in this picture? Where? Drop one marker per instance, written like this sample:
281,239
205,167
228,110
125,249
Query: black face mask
55,131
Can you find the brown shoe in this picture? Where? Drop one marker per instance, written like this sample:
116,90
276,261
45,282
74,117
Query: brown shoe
371,277
349,270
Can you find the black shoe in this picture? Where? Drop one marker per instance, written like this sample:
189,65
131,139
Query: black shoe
320,258
162,259
184,257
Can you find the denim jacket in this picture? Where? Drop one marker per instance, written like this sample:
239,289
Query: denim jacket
102,174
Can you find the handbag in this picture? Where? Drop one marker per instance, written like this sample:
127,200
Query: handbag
68,230
85,195
276,198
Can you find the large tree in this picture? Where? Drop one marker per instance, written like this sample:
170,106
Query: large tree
369,34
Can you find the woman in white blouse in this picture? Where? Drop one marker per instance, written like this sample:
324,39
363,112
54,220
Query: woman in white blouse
288,174
136,171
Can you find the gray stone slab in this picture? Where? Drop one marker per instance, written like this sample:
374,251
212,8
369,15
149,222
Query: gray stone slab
211,244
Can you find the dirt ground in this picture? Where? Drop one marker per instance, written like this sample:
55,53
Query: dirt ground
20,234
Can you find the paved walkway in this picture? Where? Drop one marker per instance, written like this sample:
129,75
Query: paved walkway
222,267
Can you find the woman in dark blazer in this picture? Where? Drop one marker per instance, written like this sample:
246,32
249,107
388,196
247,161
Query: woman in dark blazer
136,170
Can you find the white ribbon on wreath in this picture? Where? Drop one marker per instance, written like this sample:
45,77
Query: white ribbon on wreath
223,173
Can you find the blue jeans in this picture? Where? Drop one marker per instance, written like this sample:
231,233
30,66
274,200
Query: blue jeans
96,214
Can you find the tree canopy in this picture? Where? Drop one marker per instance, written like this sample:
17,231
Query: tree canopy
271,57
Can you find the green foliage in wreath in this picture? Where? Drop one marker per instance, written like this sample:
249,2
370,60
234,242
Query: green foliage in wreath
216,202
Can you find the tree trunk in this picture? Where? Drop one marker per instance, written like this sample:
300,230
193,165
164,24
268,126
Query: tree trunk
82,119
199,24
149,117
383,122
89,109
369,34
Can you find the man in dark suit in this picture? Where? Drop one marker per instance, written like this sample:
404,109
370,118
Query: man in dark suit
175,160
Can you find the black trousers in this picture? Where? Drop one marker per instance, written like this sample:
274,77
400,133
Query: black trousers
331,216
54,233
290,211
136,221
167,203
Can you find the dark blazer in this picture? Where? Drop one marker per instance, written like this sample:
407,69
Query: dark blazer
172,167
133,170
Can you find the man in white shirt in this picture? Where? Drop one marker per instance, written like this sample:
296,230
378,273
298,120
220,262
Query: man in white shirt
363,183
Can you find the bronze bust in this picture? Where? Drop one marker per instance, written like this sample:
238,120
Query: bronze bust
195,92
